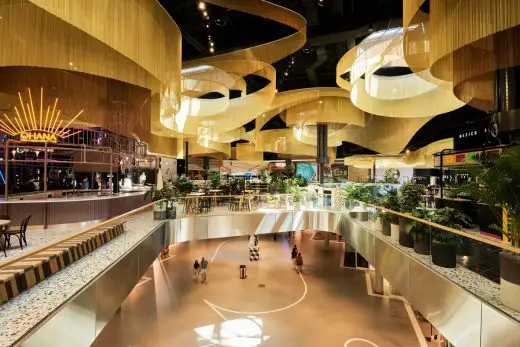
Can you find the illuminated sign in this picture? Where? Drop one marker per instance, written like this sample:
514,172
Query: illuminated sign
40,125
38,137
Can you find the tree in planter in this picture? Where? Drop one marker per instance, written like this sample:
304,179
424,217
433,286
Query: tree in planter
444,244
410,196
391,176
391,202
420,232
214,178
497,182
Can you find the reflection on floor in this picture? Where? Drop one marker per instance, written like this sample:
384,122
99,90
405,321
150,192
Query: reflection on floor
37,236
273,306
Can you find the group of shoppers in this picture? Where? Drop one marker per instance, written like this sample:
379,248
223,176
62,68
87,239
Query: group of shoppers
200,269
297,259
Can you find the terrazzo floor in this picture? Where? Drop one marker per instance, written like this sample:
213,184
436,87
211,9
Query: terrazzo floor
26,310
38,236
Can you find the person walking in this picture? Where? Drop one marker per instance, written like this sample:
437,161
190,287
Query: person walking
294,254
203,270
196,269
299,263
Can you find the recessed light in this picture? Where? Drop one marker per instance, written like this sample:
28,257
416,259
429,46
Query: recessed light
71,63
202,5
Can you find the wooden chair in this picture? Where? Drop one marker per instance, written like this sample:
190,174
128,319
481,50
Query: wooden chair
19,233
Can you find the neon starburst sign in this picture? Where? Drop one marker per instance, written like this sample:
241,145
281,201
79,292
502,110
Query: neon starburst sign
36,126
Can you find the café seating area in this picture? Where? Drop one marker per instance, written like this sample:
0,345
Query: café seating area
7,233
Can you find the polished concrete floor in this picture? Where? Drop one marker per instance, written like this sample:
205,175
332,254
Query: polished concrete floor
273,306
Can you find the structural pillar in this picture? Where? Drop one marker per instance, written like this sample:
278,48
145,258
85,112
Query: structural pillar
187,158
321,155
507,99
378,283
326,241
205,166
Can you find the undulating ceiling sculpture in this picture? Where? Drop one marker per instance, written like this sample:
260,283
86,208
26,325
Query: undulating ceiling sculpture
419,159
463,42
138,43
403,96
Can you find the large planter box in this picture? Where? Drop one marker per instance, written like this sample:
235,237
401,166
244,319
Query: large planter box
405,239
444,255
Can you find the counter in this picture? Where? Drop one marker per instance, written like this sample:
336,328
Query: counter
71,210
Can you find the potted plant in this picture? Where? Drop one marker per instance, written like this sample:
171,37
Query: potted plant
169,193
390,220
391,176
410,196
497,182
214,178
358,194
444,243
297,194
159,208
420,232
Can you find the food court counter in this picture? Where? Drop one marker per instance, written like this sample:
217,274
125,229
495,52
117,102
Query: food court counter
72,209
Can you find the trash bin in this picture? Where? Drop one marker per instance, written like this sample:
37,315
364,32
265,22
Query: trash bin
243,273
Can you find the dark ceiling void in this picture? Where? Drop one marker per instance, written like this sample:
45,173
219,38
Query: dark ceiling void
425,7
348,149
234,143
449,125
275,123
393,71
212,95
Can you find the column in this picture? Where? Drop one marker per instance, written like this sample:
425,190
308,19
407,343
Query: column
378,283
507,98
321,155
205,166
326,241
187,158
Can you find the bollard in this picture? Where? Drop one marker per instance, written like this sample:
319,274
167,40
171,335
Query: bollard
243,273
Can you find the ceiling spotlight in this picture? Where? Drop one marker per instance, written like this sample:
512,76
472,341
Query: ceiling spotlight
212,50
321,102
71,63
286,73
205,13
207,26
407,151
307,50
202,5
211,44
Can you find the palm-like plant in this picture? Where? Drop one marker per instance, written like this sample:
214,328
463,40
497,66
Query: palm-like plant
391,202
497,182
451,218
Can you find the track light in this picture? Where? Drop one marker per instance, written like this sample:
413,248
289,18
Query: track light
202,6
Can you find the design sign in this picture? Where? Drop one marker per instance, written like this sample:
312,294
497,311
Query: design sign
41,125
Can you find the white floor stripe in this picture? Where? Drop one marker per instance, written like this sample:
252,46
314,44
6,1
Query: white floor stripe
217,308
218,248
144,280
264,312
358,339
214,309
408,308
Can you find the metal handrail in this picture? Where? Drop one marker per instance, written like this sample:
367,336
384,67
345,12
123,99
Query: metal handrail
500,244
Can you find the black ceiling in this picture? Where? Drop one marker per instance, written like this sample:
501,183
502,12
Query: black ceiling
334,26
